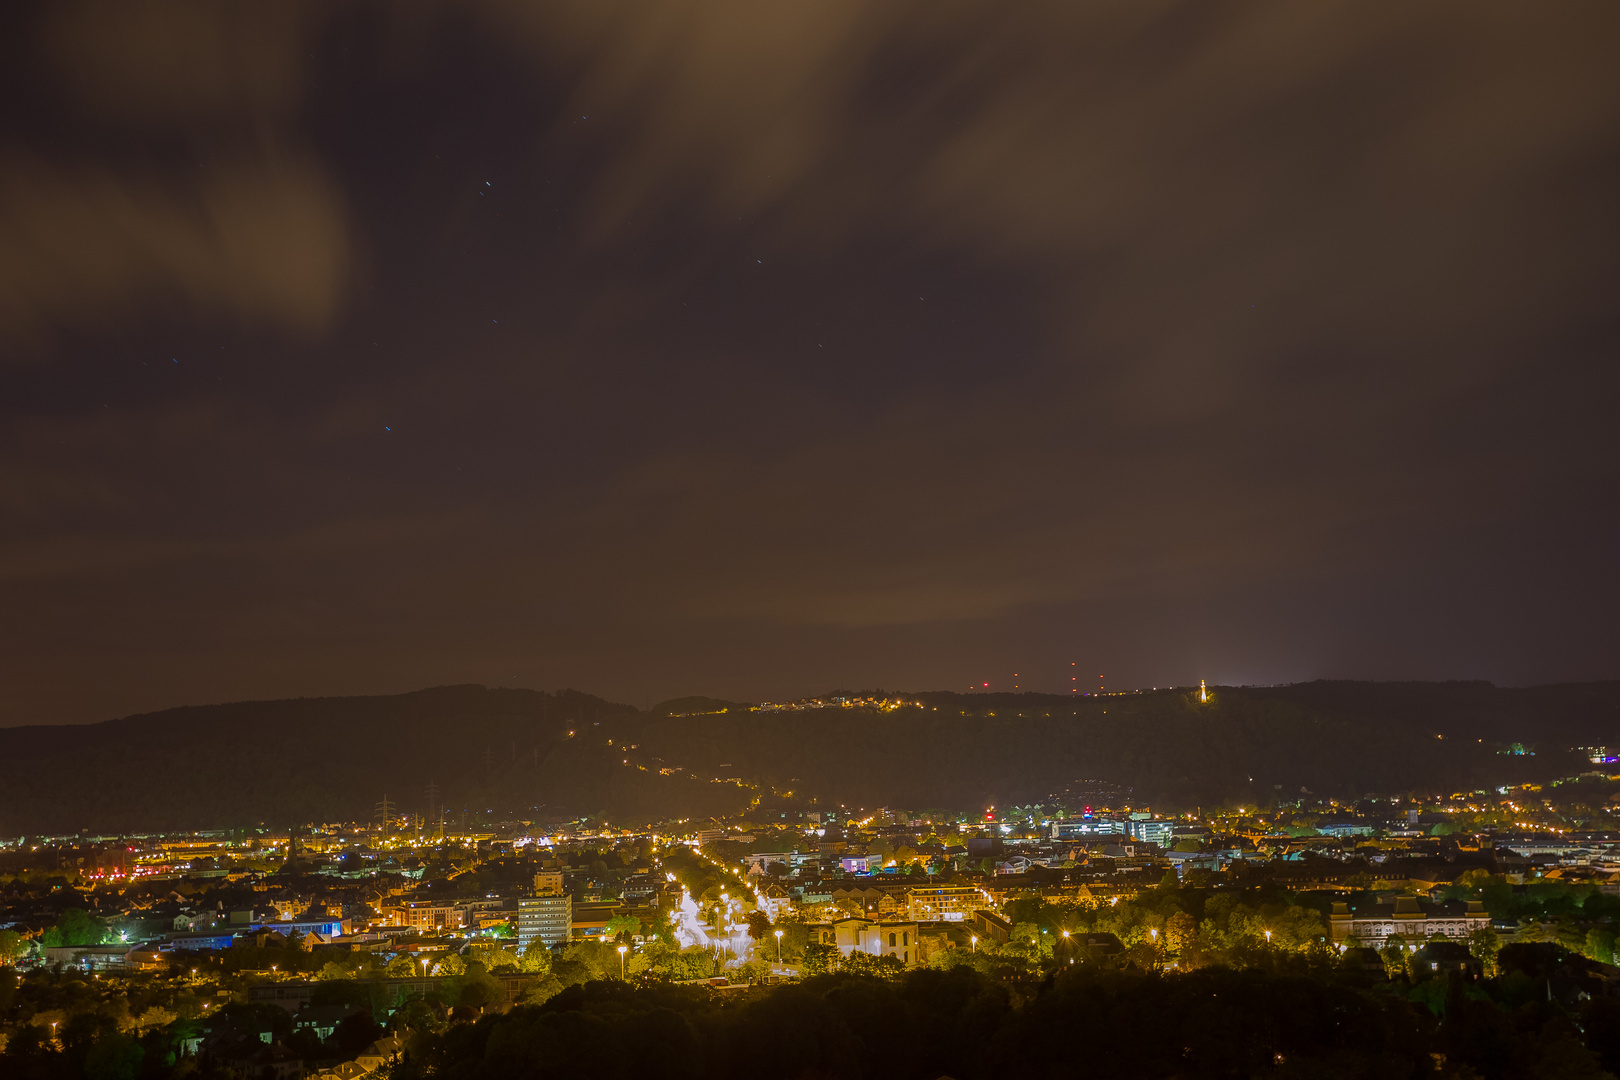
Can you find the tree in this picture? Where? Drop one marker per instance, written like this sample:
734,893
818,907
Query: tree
476,989
1600,945
759,925
76,927
880,967
402,967
1394,956
1025,909
414,1014
1180,933
355,1032
1535,930
599,958
494,957
536,957
1027,932
113,1057
795,936
1296,927
819,958
13,946
541,990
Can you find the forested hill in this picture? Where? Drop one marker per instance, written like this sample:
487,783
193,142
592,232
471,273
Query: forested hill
1244,744
498,753
281,762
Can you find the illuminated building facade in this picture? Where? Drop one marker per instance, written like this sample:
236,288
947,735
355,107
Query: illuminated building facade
1406,918
944,903
428,916
549,919
896,939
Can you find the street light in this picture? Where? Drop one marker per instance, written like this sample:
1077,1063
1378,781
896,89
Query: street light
778,946
1268,937
973,939
424,967
622,950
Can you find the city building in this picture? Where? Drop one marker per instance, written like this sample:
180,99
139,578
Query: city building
896,939
1344,829
1082,828
590,920
1147,830
549,919
1151,832
991,927
944,903
1413,922
88,957
775,902
760,862
425,915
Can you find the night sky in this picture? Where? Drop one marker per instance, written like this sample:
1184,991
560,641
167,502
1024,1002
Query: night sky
757,349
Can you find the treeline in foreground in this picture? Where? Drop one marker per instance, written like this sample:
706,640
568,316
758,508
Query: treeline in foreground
1300,1021
1085,1022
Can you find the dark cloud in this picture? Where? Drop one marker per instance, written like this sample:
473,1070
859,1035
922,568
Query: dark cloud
673,346
168,169
255,238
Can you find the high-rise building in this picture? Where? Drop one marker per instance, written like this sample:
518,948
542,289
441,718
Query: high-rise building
545,918
548,883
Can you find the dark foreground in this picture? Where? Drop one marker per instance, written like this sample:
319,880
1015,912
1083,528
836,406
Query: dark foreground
1531,1021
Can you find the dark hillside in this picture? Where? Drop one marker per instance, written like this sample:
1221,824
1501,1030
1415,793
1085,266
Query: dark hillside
1245,744
498,753
501,750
